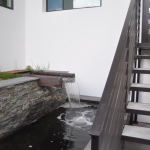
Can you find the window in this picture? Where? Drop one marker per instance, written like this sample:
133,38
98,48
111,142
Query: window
6,3
53,5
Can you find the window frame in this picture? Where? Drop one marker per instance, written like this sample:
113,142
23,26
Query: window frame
12,5
70,8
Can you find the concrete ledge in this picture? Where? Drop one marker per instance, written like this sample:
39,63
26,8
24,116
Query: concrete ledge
90,98
15,81
88,147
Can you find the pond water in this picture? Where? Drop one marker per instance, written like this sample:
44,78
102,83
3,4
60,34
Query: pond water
52,132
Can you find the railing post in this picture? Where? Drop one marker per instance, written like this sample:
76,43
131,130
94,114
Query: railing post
137,62
94,143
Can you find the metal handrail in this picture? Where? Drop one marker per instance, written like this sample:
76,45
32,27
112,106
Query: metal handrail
109,120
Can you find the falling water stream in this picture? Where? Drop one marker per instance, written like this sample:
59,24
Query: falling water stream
76,118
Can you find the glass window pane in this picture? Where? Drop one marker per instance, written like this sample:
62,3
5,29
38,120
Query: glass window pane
6,3
55,5
85,3
68,4
9,3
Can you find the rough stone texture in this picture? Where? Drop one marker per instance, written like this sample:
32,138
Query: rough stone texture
23,103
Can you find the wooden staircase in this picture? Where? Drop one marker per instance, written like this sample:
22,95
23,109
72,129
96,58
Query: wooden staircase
130,132
108,127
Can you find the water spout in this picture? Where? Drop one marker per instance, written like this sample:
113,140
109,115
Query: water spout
73,93
76,118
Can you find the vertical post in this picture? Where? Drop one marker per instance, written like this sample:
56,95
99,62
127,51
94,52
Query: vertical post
138,19
132,100
138,80
94,142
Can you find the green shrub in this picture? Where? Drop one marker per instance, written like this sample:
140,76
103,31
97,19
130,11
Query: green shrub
29,68
6,76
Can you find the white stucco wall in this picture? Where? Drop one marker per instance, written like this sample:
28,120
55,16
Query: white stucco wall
81,41
12,37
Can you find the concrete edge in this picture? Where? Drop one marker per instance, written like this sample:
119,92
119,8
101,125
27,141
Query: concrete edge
88,146
10,82
90,98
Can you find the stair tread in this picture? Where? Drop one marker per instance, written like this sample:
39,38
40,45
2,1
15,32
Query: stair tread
138,85
138,108
142,56
141,70
135,132
144,46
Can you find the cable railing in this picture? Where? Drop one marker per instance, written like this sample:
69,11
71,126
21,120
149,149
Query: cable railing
109,120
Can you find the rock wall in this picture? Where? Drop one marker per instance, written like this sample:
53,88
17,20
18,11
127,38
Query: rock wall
23,103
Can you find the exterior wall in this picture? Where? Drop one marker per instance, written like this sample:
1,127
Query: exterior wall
21,104
82,41
12,36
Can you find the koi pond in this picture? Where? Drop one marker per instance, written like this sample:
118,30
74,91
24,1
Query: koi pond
55,131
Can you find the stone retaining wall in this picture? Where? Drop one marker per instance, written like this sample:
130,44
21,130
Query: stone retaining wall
24,102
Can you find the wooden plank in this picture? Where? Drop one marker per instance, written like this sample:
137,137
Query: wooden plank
17,71
142,57
144,46
141,70
138,108
48,81
56,73
140,87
